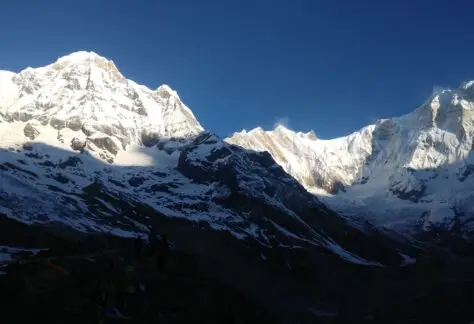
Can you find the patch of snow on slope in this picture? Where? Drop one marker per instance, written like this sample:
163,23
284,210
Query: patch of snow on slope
6,211
346,255
136,155
407,260
8,253
15,250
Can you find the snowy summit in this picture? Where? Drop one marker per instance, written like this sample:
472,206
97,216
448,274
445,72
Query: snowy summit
85,98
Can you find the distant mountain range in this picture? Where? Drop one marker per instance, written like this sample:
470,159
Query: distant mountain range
84,150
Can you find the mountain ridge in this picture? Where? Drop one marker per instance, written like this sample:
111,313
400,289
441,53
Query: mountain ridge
387,163
82,102
78,125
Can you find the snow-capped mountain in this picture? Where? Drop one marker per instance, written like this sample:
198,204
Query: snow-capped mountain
86,95
403,172
82,146
84,151
315,163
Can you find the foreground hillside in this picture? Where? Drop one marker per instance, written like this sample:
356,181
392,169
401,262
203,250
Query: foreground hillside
56,282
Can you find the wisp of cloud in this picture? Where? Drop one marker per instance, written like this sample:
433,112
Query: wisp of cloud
284,121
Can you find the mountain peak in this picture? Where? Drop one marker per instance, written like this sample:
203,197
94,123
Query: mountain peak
281,128
310,135
90,59
83,95
469,85
166,92
257,130
80,56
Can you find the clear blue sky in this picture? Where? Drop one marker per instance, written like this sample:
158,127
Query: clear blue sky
332,66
